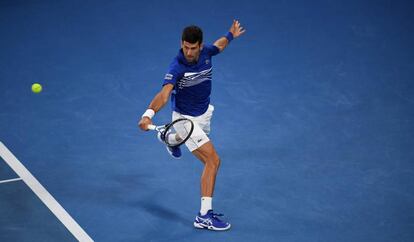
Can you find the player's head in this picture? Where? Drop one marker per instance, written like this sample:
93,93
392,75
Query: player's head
192,43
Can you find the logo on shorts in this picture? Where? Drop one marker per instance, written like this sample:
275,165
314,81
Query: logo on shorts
198,141
168,77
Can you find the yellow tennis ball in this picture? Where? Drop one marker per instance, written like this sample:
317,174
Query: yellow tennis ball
36,88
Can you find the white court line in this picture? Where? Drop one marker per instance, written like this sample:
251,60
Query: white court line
11,180
43,194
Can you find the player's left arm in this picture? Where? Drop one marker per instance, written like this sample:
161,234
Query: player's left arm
235,31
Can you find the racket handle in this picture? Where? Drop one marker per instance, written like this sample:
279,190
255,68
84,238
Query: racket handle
152,127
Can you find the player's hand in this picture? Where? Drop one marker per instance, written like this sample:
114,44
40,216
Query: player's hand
236,29
144,122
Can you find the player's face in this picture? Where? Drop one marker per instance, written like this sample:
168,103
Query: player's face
191,51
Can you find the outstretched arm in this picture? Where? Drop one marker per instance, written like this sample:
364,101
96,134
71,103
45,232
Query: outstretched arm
235,31
156,104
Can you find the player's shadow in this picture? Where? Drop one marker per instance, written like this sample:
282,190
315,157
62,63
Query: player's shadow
162,212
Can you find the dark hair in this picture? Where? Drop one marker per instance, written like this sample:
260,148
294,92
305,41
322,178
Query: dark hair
192,34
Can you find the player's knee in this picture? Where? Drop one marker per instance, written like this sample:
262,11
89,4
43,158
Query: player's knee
214,161
218,162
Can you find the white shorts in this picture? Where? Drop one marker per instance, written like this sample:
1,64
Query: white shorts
201,128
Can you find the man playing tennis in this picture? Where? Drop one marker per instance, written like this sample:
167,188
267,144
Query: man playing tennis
188,81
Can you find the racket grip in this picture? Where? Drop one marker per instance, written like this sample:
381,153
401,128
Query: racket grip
151,127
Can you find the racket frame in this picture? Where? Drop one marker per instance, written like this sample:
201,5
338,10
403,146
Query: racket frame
162,129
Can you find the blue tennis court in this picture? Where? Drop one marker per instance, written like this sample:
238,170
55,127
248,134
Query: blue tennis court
313,121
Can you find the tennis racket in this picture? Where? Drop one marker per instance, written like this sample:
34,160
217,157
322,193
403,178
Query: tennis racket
175,133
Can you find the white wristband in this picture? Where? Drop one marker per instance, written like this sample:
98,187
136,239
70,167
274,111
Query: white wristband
149,113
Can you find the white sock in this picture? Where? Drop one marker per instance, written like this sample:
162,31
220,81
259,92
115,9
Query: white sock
205,205
173,138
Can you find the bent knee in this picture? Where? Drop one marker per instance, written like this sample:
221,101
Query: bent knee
214,161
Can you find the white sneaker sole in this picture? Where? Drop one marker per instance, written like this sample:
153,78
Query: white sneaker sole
201,226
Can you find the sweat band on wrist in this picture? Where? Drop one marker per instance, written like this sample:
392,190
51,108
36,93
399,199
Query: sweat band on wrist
149,113
229,36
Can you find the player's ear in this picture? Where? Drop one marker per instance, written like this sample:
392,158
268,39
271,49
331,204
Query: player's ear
201,46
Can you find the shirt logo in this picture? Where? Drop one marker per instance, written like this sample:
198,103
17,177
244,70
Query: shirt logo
168,77
190,74
207,61
194,78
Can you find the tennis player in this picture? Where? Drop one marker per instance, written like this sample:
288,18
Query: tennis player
188,81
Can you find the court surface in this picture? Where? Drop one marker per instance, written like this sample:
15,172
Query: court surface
313,121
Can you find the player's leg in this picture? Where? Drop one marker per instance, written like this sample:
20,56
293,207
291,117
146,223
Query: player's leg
175,152
208,155
200,145
206,217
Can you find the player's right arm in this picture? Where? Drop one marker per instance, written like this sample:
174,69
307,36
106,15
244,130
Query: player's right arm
156,104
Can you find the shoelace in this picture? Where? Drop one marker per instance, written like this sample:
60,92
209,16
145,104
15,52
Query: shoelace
216,215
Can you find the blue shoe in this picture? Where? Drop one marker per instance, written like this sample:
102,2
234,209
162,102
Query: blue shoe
211,221
175,152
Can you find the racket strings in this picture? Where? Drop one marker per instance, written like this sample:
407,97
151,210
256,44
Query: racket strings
178,132
172,138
